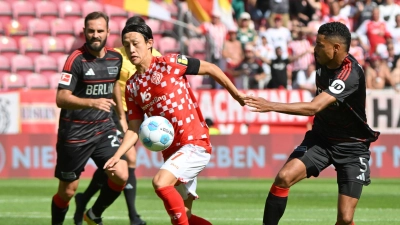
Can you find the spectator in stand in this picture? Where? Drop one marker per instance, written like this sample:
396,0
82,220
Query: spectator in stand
238,8
266,52
377,74
388,12
297,46
217,32
395,32
356,50
279,75
349,9
334,15
303,10
375,31
365,9
279,7
279,36
306,79
245,33
386,53
249,72
232,52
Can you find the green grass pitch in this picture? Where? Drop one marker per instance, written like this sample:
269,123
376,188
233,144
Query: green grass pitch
223,202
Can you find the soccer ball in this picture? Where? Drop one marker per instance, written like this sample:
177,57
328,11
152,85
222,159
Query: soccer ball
156,133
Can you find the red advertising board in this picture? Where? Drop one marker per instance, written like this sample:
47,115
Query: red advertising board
250,156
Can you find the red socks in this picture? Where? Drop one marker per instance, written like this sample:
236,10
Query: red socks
174,205
279,192
115,187
195,220
59,202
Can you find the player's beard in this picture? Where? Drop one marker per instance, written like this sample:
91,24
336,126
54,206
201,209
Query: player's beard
94,47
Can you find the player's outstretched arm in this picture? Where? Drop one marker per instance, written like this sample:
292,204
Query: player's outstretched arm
319,103
130,139
214,71
66,100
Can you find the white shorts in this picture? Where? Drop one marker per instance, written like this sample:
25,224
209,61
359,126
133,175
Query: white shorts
185,165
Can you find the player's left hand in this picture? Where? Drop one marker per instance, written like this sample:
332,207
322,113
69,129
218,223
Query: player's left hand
109,165
257,104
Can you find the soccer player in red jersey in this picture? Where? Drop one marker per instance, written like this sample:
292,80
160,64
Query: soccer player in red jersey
160,87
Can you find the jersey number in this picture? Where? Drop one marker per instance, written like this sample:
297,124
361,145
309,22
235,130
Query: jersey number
177,155
114,141
364,164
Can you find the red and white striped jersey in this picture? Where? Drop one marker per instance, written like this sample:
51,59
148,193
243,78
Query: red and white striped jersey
163,90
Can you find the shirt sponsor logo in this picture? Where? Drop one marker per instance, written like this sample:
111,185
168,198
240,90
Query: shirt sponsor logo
337,87
112,70
156,78
99,89
182,60
65,79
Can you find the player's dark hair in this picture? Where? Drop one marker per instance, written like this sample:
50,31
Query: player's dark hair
139,28
96,15
336,30
135,20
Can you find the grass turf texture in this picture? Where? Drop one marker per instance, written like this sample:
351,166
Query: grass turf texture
223,202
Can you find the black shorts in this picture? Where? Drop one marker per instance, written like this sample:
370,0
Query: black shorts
351,159
71,160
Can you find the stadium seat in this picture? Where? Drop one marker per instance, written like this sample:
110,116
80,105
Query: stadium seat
30,46
23,11
197,48
62,28
91,6
8,47
5,65
154,24
53,80
2,30
16,30
168,45
116,13
69,43
45,65
114,39
5,12
79,24
61,61
46,10
39,28
36,81
69,11
53,46
22,65
13,81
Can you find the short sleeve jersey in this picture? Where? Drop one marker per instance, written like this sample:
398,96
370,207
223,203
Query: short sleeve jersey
127,70
163,90
88,77
345,120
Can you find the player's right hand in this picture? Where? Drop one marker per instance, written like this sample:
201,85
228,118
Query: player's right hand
104,104
109,165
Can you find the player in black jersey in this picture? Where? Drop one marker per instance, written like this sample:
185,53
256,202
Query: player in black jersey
340,134
87,90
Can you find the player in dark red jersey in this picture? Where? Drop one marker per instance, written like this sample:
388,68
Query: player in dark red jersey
87,90
340,134
160,87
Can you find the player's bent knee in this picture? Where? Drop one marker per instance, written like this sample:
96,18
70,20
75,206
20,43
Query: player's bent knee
344,220
67,190
283,179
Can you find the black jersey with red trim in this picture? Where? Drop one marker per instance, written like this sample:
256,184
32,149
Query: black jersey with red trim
345,120
88,77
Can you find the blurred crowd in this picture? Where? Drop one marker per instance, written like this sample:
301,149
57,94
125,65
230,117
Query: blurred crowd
271,45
